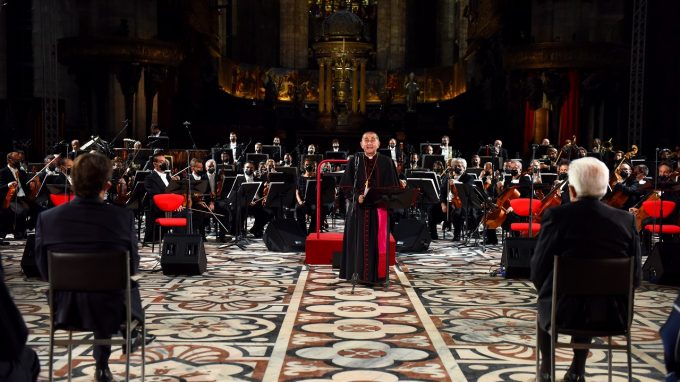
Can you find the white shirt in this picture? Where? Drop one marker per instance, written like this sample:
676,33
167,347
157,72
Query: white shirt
196,177
163,177
445,151
393,152
211,181
20,191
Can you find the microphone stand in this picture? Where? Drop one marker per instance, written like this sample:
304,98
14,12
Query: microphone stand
656,184
187,125
68,196
355,198
531,195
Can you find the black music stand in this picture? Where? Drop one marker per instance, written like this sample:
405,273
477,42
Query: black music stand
470,201
162,142
256,158
392,199
335,155
428,191
496,161
273,151
429,159
244,195
281,195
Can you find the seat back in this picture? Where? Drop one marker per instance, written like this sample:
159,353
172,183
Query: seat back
521,206
88,271
593,277
59,199
168,202
655,208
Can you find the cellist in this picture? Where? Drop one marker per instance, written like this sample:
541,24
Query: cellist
14,190
626,185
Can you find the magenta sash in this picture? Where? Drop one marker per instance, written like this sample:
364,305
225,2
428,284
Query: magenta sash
382,243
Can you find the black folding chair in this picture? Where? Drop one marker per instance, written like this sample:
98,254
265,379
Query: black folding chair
592,278
105,271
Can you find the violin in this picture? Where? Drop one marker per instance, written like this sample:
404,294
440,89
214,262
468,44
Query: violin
641,214
455,199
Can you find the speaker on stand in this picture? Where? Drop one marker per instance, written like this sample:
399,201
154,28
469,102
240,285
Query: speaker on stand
516,257
411,235
663,264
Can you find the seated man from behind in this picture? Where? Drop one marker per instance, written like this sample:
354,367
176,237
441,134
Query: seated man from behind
584,228
86,224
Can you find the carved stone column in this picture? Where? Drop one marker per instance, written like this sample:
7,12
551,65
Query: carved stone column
293,31
391,38
362,89
355,86
329,89
128,76
154,76
322,87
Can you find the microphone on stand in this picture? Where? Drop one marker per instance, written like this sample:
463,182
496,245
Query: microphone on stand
186,123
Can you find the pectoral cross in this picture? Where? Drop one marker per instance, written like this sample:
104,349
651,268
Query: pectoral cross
366,184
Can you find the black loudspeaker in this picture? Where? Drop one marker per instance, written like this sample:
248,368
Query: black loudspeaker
516,257
411,235
663,264
284,235
183,255
28,264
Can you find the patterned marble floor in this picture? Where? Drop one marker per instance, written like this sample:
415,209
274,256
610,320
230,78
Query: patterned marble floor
256,315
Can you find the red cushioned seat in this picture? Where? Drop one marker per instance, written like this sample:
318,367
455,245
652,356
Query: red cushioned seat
654,208
59,199
167,203
521,207
666,229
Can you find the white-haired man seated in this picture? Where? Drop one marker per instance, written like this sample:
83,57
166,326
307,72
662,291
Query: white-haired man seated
586,228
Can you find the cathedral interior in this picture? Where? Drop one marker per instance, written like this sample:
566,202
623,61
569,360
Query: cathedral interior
321,73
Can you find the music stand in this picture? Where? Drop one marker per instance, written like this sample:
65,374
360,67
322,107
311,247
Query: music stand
470,201
316,158
424,175
256,158
162,142
429,193
548,178
273,151
287,170
336,155
280,196
496,161
244,196
429,159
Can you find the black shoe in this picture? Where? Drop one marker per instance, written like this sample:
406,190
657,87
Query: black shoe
103,374
491,242
573,377
543,377
137,340
4,242
456,238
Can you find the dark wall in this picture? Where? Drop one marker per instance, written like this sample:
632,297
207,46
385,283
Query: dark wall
421,32
256,38
662,82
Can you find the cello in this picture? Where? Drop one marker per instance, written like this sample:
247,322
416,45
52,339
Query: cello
496,215
553,199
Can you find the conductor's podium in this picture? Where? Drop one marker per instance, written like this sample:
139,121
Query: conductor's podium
319,250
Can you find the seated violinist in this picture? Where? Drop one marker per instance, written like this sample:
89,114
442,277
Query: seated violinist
19,209
305,207
199,202
451,203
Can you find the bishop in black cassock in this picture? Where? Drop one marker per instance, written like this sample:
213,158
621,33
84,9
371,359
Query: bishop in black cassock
364,242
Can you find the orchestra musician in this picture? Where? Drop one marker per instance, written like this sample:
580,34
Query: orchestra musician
288,160
235,149
414,164
199,202
447,151
304,207
277,155
495,150
14,190
395,152
551,165
448,192
628,185
475,163
155,183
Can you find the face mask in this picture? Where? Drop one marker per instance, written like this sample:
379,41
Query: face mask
392,145
311,151
625,174
414,162
663,178
52,167
458,170
562,176
287,162
514,172
444,143
249,171
164,166
309,168
336,147
211,171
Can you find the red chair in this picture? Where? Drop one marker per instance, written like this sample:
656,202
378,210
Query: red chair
59,199
660,209
167,203
521,207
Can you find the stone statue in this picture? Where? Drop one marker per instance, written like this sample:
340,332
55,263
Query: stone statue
412,91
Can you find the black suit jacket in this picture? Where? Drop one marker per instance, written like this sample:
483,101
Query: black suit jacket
444,187
7,177
153,184
13,331
87,225
586,228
